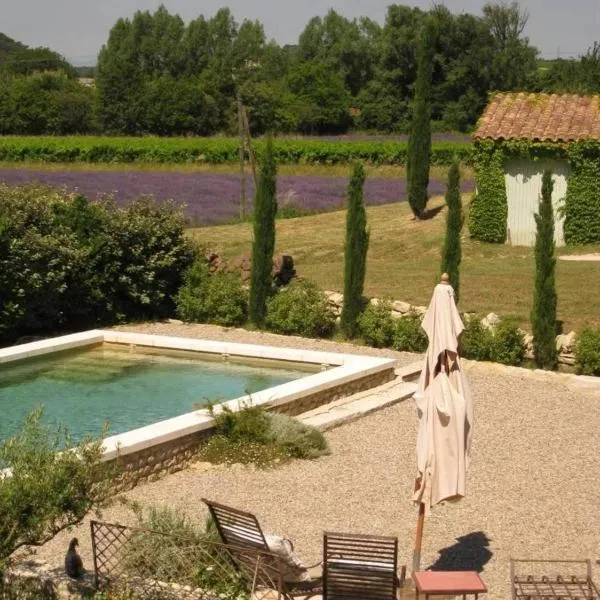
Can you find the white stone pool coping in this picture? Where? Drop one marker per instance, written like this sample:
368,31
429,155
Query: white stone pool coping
341,369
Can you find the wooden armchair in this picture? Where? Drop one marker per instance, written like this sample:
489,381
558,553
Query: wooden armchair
245,539
360,567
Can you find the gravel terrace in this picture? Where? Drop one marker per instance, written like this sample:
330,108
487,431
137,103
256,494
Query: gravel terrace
533,486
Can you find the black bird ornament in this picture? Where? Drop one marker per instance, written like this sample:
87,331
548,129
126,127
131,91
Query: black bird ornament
73,563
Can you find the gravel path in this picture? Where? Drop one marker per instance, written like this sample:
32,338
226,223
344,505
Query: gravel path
533,486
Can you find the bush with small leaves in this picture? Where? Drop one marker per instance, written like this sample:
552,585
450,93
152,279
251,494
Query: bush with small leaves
376,324
253,435
169,546
587,352
408,335
300,309
508,345
218,298
295,438
476,340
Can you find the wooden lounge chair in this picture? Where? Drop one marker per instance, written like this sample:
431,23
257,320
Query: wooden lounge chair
360,567
242,534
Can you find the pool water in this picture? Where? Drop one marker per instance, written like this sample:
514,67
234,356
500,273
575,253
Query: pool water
127,388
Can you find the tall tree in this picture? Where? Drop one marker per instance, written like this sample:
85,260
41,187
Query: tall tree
543,314
419,141
357,244
451,255
515,59
263,246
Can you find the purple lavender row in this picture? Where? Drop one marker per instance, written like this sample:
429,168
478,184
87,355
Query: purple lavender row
212,198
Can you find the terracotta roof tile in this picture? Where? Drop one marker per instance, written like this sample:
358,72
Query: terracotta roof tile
544,117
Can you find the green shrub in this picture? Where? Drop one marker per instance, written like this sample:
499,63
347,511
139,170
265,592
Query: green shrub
508,345
295,438
587,352
218,298
300,309
376,324
253,435
476,340
67,263
248,424
408,334
54,484
171,547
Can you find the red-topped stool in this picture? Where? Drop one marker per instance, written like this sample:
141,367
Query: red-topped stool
448,583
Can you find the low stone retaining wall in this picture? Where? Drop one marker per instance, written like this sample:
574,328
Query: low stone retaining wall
157,461
565,343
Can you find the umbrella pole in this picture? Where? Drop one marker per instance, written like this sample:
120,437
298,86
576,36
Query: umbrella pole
419,539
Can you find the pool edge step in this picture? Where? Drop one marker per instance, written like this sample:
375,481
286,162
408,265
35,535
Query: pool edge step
359,405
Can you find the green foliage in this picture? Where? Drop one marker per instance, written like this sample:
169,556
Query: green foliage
581,209
323,102
357,244
170,547
488,210
157,74
419,141
300,308
587,352
45,103
508,346
263,245
219,298
216,150
505,344
376,324
408,334
451,253
476,341
543,312
295,438
582,203
253,435
68,263
49,488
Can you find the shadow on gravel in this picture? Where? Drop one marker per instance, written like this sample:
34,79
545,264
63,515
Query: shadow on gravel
470,553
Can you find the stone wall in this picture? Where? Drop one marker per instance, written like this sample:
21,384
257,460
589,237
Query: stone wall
294,408
153,463
565,344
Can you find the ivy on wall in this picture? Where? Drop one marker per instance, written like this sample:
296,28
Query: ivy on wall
489,207
582,204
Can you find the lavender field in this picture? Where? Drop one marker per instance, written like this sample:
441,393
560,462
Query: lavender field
214,198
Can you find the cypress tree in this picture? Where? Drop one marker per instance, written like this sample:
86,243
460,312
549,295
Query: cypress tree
357,244
543,314
452,253
263,246
419,140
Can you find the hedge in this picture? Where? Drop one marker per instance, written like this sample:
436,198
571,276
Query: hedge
213,150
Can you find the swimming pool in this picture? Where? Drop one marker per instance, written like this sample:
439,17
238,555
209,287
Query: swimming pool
125,386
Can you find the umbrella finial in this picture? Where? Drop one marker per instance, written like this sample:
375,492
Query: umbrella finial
445,278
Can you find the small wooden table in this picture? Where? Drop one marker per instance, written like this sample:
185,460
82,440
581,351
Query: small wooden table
448,583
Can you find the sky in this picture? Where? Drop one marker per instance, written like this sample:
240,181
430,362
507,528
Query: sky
78,28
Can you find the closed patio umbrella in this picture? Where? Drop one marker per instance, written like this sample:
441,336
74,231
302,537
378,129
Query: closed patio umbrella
444,409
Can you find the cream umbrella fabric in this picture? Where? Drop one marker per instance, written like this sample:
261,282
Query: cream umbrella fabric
444,406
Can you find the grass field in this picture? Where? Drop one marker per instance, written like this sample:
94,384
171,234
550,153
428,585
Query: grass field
404,262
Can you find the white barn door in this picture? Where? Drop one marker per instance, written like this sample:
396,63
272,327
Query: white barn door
523,192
